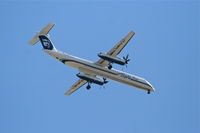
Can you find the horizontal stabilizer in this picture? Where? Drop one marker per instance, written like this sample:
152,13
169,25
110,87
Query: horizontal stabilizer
44,31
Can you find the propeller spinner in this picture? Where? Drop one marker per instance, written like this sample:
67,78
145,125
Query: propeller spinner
126,59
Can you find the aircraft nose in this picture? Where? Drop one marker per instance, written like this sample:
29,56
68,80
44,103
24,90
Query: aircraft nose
152,88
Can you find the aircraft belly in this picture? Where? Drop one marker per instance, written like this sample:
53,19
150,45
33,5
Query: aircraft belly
128,82
73,64
104,72
115,77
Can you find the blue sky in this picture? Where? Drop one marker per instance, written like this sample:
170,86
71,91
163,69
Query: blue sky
164,51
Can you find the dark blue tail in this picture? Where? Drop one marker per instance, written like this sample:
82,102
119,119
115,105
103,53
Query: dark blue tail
46,42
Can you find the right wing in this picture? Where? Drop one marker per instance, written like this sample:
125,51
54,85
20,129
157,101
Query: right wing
76,86
116,49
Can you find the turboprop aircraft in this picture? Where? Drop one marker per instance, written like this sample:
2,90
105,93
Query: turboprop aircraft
93,72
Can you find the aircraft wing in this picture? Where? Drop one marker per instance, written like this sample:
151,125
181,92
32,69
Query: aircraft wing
116,49
80,82
76,86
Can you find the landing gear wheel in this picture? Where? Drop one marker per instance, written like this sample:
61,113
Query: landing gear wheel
110,66
148,92
88,87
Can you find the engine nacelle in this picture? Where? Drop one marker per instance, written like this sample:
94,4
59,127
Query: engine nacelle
111,59
91,79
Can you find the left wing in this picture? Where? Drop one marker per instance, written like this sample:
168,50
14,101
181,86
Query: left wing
80,82
76,86
116,49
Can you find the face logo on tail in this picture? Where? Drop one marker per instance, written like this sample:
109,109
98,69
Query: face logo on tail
46,43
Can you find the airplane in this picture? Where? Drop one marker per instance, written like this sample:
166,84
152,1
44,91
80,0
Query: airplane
93,72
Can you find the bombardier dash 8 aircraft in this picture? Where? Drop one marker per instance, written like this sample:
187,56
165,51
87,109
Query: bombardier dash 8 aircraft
90,72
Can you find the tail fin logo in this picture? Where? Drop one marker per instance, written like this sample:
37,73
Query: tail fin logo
46,43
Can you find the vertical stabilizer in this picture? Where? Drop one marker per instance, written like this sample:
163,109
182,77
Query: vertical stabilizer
46,42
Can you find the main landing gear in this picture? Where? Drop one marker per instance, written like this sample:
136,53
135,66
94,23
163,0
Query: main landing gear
88,86
110,66
148,92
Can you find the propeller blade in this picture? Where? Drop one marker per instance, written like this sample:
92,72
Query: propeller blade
104,80
127,56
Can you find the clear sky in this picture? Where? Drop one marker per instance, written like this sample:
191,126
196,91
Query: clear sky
164,51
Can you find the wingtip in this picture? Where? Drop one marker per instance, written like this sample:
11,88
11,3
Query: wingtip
51,23
29,43
132,32
67,93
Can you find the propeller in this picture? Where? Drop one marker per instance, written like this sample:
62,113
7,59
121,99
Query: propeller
104,80
126,59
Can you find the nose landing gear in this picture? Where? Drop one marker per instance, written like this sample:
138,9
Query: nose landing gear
148,92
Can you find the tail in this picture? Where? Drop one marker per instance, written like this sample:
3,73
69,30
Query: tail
46,42
44,31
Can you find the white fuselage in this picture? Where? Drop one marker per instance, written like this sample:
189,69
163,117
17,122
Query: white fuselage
89,67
